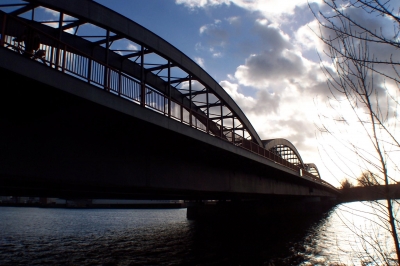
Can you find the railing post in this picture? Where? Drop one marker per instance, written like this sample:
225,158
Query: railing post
233,129
108,78
89,71
181,105
52,56
142,83
119,82
208,111
190,101
60,24
3,30
222,121
106,69
169,89
64,55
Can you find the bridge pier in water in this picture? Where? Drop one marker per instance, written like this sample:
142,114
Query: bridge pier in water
264,209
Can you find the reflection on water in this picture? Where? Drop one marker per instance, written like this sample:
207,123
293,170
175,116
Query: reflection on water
355,233
35,236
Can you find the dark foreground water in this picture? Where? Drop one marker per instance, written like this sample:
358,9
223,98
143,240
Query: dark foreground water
39,236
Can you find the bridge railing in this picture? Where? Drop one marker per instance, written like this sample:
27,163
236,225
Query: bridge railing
69,60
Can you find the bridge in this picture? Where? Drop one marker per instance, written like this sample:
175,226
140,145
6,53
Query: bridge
95,106
370,193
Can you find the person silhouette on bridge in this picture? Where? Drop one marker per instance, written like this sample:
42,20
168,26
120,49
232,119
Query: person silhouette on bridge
32,42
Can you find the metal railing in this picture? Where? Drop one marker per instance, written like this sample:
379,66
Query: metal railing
67,59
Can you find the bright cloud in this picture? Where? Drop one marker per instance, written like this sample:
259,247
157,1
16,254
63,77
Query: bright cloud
199,61
271,7
202,3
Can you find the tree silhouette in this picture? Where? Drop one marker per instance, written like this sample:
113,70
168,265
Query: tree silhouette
361,61
346,184
367,179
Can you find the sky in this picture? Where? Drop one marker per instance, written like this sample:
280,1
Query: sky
265,55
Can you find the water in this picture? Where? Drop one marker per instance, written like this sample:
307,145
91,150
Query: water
41,236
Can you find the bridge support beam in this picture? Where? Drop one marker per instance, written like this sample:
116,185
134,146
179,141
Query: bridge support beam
267,209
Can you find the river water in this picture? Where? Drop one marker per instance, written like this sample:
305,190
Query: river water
44,236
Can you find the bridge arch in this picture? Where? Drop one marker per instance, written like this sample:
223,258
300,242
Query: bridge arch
312,168
164,78
285,149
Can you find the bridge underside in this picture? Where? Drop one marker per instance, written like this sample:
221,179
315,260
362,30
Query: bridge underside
57,144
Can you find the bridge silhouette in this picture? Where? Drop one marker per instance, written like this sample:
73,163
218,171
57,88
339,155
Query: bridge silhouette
94,105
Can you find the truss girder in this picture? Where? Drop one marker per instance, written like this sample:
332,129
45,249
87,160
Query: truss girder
24,9
73,24
194,93
160,67
110,39
136,54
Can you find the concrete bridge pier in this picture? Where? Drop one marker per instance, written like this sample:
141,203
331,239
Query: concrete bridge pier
259,208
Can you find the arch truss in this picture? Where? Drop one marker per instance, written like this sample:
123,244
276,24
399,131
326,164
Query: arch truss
312,168
287,151
101,47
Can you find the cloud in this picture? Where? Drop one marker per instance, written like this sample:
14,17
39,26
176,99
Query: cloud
279,59
215,39
271,36
288,114
217,55
199,61
56,14
306,39
201,3
215,34
262,69
132,47
274,8
233,90
233,20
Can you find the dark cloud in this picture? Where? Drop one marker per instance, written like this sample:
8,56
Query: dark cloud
270,66
276,60
272,39
266,103
382,26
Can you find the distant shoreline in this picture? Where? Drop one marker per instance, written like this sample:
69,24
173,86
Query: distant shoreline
100,206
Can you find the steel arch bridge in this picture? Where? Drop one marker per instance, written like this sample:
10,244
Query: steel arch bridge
92,43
